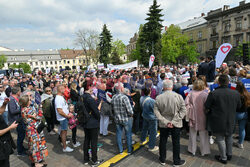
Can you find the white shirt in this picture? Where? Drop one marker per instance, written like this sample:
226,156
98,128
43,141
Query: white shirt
60,102
2,97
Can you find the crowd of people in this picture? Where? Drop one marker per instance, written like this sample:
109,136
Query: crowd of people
198,101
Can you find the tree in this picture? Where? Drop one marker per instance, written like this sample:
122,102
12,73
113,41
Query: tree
150,37
115,57
176,46
105,45
3,60
119,47
239,52
26,67
88,40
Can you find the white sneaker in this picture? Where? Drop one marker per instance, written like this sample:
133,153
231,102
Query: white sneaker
67,142
77,144
68,150
211,140
238,145
154,149
52,133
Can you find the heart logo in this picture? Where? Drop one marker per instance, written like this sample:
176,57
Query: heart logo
225,49
152,58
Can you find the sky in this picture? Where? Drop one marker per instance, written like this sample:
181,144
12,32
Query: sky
51,24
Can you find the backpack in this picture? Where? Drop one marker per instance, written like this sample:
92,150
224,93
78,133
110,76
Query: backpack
82,114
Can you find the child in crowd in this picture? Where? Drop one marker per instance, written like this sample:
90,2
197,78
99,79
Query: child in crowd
73,124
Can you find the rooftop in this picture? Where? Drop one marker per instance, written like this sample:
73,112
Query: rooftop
192,23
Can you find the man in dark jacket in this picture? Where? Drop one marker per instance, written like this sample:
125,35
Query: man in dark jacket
15,115
211,69
91,128
203,67
222,105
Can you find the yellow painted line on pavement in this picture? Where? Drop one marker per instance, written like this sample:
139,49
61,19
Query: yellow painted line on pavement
119,157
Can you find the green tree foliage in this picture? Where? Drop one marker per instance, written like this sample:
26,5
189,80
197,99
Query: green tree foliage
115,57
105,45
176,47
3,60
119,47
151,34
26,67
239,51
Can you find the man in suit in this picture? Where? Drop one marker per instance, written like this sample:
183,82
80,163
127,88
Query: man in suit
203,67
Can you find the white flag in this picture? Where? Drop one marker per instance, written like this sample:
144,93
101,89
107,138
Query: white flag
222,53
151,60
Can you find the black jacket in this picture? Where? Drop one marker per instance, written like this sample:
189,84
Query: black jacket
6,141
74,95
222,105
91,107
203,69
211,71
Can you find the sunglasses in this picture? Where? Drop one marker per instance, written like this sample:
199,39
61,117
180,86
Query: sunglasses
48,91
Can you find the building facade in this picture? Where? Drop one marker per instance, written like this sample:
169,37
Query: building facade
132,44
40,59
227,25
196,29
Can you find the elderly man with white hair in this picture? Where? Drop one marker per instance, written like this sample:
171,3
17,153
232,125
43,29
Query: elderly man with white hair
170,109
123,116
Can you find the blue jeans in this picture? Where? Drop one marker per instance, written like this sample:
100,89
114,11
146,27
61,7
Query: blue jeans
64,124
149,127
20,137
128,130
241,117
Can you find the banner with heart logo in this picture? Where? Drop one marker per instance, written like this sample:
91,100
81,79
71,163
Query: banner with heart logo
151,61
222,53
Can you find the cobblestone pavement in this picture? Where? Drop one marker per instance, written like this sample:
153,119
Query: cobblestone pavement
141,157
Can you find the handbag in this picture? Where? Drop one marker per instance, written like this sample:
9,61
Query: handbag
41,126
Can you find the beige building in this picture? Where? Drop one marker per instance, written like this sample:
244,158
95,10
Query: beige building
196,29
132,44
227,25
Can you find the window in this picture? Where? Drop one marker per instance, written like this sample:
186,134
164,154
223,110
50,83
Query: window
238,39
46,63
80,60
36,63
238,24
41,63
214,44
55,62
248,37
68,62
51,62
74,61
191,36
214,31
83,61
199,34
64,61
227,26
199,48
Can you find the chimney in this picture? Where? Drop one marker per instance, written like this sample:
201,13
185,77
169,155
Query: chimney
226,7
242,2
202,14
166,28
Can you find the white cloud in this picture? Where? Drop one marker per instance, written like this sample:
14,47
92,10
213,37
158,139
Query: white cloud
51,23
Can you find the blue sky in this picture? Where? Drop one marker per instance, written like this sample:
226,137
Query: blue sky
51,24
